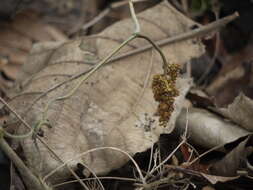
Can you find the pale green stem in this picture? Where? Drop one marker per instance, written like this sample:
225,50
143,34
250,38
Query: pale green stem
134,17
98,149
165,63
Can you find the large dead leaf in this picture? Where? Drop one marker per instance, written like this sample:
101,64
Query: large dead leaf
101,112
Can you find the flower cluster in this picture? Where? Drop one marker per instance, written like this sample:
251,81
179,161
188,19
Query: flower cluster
164,90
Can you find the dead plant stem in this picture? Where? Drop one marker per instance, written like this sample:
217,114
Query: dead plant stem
101,178
30,179
168,157
134,18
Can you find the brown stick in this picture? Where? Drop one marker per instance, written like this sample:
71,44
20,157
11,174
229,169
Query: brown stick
30,180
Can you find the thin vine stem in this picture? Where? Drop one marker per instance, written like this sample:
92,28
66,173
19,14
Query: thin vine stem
12,136
158,49
98,149
22,136
134,17
168,157
101,178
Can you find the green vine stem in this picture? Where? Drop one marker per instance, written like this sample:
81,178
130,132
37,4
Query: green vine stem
158,49
28,134
134,17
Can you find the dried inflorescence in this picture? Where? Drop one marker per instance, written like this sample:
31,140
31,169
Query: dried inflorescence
164,90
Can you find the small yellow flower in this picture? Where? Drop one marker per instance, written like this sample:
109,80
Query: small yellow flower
164,90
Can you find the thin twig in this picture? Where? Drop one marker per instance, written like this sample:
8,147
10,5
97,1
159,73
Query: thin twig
166,181
30,180
100,178
94,174
96,19
98,149
205,153
168,157
106,11
150,159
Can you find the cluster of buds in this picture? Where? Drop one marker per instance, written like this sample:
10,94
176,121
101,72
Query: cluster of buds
164,90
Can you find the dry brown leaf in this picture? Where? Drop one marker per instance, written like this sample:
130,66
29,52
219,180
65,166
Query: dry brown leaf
207,129
240,112
230,84
100,112
17,37
235,76
234,162
215,179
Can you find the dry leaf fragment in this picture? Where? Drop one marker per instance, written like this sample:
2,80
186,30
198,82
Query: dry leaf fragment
240,112
206,129
234,161
213,179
